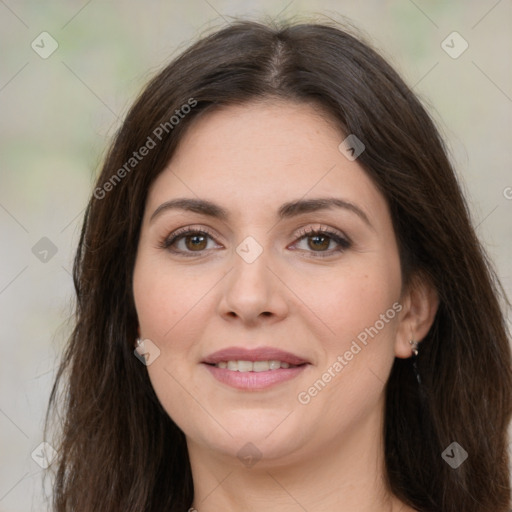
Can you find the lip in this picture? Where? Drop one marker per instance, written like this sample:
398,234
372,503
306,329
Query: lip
255,354
254,381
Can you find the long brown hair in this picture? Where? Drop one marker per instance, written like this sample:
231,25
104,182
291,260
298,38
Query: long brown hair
119,450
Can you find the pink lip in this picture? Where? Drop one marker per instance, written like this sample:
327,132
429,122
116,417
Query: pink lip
254,381
255,354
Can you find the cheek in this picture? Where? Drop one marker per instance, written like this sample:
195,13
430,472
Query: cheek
173,309
348,300
168,310
361,308
164,299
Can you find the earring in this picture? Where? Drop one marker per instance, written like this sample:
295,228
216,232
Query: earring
415,351
414,345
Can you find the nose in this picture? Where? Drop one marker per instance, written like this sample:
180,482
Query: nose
252,292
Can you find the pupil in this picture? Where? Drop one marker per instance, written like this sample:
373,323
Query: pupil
321,237
196,240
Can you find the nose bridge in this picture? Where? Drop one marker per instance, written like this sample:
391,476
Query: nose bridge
251,270
251,287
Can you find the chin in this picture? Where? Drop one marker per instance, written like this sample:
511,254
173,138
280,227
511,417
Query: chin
268,439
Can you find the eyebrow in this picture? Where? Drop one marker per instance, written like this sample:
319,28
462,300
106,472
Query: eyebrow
286,210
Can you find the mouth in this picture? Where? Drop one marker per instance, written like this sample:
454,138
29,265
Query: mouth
254,366
254,369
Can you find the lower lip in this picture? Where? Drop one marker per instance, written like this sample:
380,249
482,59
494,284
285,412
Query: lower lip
250,381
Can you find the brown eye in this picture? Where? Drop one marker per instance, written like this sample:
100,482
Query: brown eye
319,242
195,242
187,242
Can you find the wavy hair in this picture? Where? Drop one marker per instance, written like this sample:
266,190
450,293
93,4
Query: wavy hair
119,449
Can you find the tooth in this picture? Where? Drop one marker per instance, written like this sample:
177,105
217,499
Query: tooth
233,365
245,366
256,366
261,366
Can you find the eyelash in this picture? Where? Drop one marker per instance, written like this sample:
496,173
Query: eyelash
343,242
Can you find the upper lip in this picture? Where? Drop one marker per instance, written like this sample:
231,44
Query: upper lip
255,354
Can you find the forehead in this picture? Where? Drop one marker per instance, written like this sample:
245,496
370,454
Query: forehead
260,155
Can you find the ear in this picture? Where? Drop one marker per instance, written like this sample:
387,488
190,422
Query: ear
419,302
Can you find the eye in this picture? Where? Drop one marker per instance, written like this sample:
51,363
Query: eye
319,240
187,241
190,241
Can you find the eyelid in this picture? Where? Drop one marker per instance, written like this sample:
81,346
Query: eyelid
319,228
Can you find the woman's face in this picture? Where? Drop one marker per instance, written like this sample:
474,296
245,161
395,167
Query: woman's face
247,278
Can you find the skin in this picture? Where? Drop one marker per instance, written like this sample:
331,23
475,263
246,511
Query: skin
323,455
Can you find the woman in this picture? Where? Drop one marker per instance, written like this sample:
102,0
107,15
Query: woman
281,301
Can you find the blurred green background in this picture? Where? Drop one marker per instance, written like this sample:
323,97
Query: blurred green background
59,110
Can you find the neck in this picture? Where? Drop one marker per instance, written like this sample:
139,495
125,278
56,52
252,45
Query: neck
345,475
